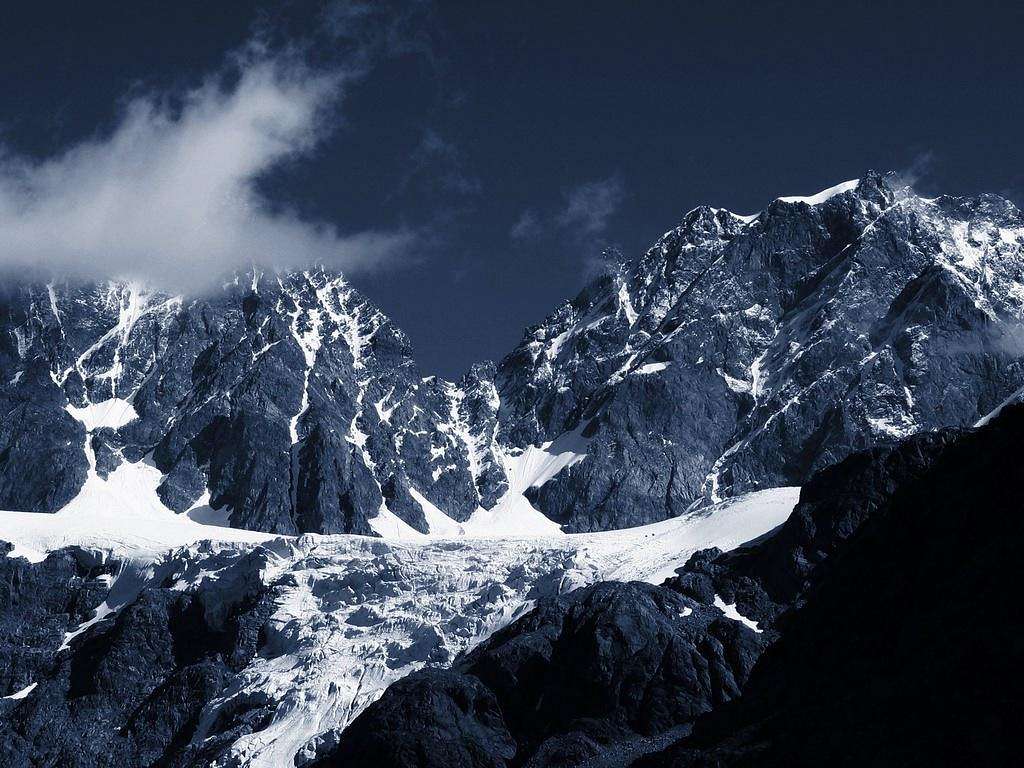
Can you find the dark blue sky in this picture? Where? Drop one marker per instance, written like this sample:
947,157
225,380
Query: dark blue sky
519,139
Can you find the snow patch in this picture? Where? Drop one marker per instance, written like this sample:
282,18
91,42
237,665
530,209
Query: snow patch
626,304
22,693
388,525
736,385
113,413
438,523
122,516
731,613
648,368
1015,396
824,195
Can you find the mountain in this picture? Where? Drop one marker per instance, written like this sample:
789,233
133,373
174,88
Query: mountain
287,400
868,629
739,352
181,476
751,351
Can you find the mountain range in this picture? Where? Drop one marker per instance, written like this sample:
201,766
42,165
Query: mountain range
739,352
678,524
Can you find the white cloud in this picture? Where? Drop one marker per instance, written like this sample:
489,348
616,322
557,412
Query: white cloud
527,226
439,163
589,206
169,195
586,211
919,169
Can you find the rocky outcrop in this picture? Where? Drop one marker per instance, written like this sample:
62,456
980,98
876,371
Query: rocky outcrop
293,401
744,352
39,604
131,690
604,664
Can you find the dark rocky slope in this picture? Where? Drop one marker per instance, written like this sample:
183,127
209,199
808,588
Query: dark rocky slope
909,650
603,664
889,587
132,689
39,603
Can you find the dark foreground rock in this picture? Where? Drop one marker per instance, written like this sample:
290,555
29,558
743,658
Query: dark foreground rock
39,603
909,651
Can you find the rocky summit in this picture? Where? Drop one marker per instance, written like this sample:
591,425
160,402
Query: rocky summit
287,400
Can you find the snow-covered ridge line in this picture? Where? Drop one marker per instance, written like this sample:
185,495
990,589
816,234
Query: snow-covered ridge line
823,195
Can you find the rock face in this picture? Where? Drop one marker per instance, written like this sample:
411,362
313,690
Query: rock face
739,352
868,630
134,688
39,604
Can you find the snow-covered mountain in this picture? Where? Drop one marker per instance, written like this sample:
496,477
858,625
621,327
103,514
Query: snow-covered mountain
234,519
739,352
288,401
749,351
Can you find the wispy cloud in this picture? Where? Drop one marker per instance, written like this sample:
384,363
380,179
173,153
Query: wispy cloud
586,212
439,162
589,206
527,227
170,194
917,170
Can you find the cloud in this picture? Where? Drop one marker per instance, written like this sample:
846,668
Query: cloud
589,206
169,194
527,227
917,171
439,164
586,211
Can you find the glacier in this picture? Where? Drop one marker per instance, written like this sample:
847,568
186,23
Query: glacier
351,613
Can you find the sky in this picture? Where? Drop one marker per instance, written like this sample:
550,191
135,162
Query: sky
466,164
